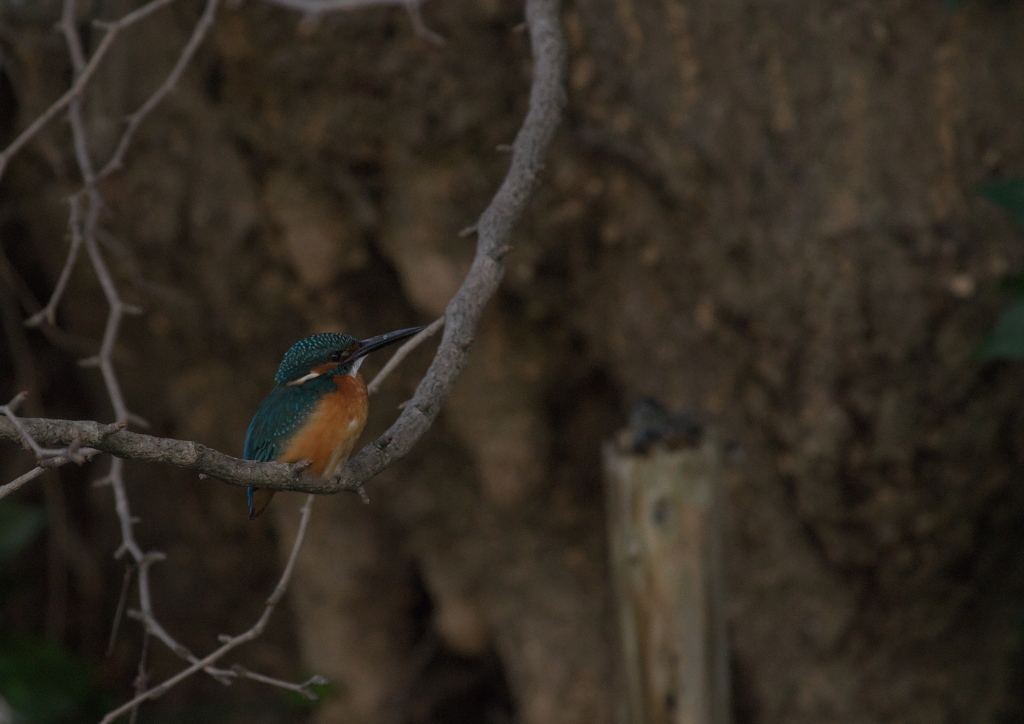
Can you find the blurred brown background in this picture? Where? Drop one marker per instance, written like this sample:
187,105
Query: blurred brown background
757,210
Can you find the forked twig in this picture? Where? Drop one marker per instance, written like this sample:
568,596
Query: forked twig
136,118
228,642
58,441
111,31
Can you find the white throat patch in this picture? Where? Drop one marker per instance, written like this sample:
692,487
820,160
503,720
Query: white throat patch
355,366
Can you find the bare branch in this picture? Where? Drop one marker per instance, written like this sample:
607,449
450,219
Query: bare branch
182,453
27,440
302,688
79,457
66,438
114,439
136,118
547,99
117,312
84,232
46,458
119,610
402,353
48,313
82,79
141,677
230,642
20,481
85,208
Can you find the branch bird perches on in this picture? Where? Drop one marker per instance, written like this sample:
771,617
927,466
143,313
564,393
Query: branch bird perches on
494,229
57,442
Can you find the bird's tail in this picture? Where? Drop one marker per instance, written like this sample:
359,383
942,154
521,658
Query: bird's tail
259,499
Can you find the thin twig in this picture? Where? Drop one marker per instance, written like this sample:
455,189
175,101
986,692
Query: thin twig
114,317
302,688
136,118
119,610
17,286
229,642
402,353
81,456
141,677
21,480
112,30
48,313
84,232
26,439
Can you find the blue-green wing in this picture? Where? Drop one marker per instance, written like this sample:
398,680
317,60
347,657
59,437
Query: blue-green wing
279,417
261,441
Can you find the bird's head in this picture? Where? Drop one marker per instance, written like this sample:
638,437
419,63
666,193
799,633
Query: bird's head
331,354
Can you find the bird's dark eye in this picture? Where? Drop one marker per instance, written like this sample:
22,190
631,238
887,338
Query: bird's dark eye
335,356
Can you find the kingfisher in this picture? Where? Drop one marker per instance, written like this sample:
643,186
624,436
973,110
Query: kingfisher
318,407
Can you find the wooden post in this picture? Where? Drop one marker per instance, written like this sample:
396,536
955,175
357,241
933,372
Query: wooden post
664,523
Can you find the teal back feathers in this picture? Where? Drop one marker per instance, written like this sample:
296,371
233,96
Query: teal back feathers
281,415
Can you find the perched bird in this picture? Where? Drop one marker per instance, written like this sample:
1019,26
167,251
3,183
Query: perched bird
318,408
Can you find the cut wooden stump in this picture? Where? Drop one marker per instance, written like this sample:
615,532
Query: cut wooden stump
665,529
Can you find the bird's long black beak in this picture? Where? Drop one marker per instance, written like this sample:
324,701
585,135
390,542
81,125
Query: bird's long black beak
364,346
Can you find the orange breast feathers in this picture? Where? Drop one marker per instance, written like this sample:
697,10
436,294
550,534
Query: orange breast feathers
332,429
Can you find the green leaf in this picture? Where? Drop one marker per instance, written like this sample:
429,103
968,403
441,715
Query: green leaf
43,683
1007,338
20,525
1008,193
